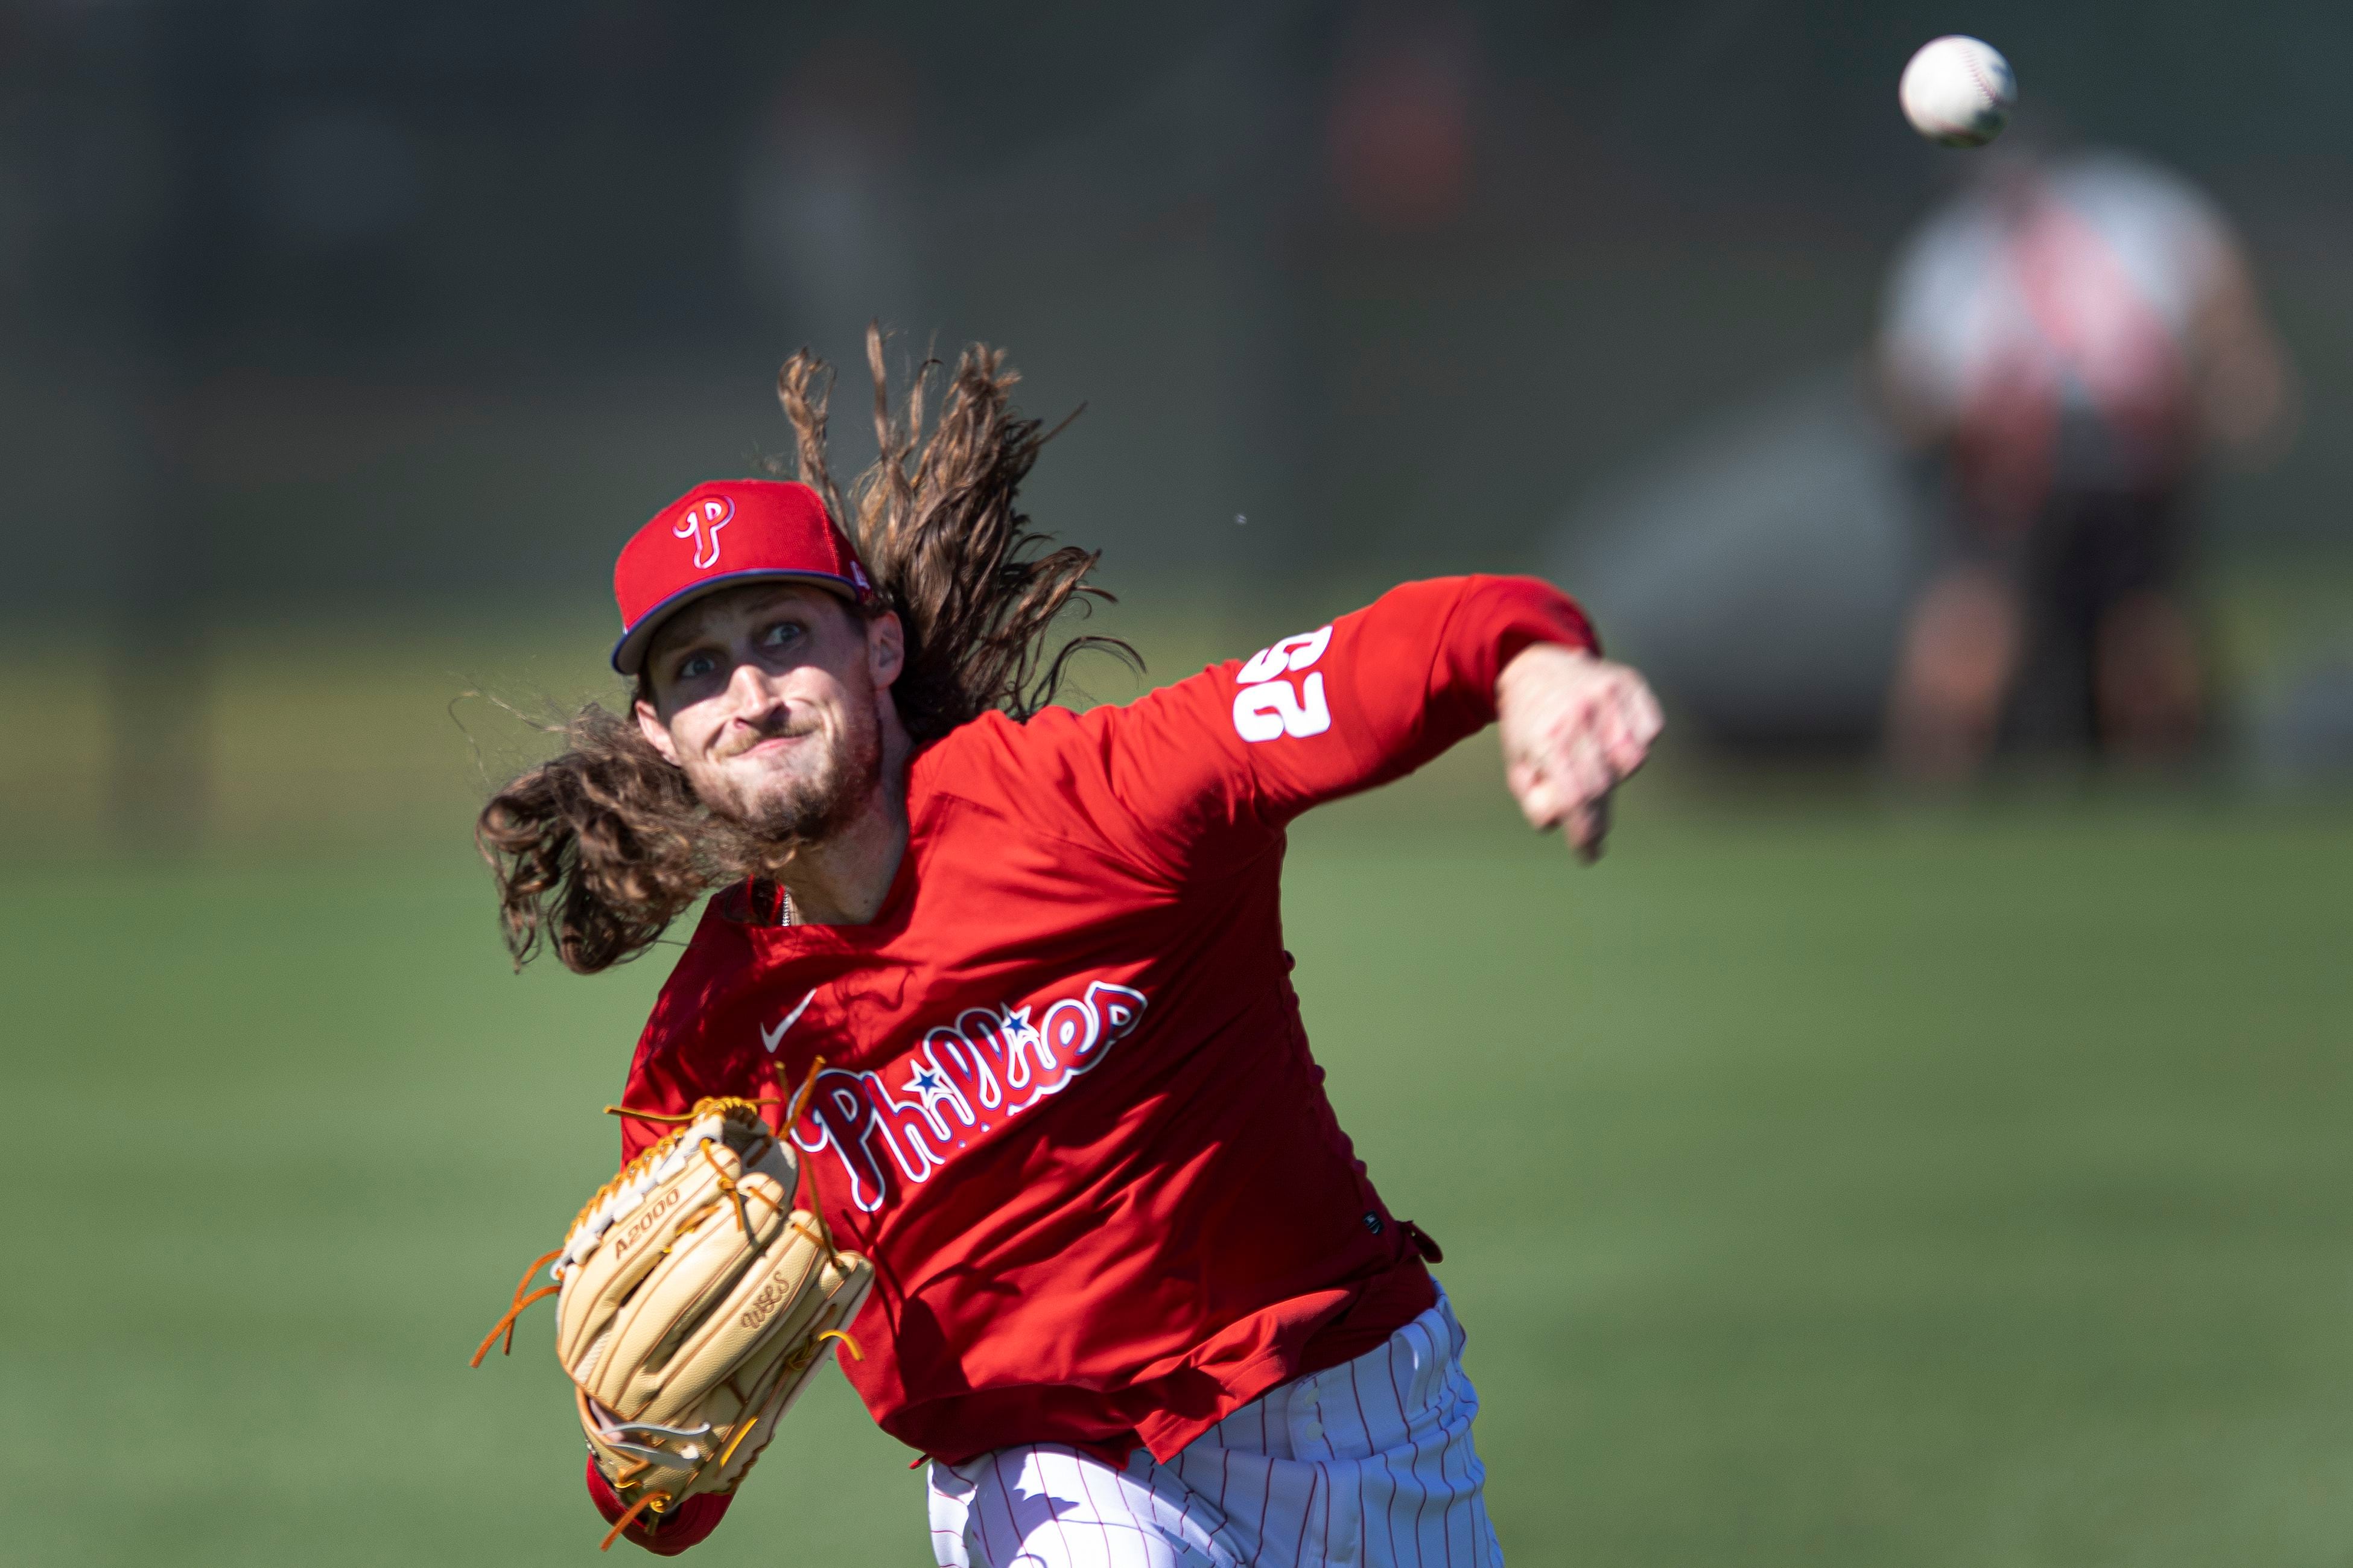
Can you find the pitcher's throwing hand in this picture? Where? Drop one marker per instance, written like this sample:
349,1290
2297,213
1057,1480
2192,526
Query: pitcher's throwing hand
1575,728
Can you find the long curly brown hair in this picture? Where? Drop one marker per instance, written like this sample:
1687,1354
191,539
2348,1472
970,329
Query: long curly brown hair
598,850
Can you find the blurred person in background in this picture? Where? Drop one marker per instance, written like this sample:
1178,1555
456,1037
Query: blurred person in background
2071,338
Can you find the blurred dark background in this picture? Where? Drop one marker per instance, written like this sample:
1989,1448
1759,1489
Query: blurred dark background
371,315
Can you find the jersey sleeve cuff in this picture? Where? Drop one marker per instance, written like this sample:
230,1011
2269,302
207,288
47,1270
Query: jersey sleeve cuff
1505,616
694,1521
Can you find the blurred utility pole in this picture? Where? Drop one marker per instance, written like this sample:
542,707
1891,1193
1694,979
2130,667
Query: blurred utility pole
185,62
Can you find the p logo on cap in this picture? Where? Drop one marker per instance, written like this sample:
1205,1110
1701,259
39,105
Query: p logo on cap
776,531
702,523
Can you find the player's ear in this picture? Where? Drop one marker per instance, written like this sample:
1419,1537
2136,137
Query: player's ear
886,647
657,734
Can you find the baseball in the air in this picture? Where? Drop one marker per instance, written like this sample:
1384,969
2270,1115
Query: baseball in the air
1959,91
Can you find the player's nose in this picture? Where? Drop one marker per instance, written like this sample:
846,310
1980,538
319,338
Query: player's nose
753,694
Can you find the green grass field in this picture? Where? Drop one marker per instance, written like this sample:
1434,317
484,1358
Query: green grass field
1820,1185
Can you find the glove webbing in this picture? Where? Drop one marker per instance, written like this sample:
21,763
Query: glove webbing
702,1108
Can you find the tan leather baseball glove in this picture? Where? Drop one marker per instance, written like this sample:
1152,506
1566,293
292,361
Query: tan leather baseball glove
694,1300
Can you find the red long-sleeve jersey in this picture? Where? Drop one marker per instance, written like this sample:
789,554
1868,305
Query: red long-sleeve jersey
1068,1106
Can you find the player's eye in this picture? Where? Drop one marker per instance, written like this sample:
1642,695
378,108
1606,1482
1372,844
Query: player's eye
780,634
695,666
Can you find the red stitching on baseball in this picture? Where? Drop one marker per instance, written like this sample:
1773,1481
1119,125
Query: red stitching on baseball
1993,98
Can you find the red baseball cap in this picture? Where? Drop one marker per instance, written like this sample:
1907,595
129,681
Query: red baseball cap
719,535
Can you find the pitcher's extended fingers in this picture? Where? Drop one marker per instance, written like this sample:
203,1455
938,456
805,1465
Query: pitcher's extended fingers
1631,724
1588,773
1613,731
1588,828
1558,771
1539,802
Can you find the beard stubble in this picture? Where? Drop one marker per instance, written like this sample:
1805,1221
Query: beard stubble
754,837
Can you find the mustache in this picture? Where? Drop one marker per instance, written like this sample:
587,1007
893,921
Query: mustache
783,728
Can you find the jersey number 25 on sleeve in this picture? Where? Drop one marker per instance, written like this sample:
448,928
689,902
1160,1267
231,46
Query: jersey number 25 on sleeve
1268,707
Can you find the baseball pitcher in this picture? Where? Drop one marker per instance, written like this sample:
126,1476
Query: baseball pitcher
982,1065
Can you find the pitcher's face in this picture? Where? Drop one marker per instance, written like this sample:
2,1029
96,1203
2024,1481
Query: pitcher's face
767,698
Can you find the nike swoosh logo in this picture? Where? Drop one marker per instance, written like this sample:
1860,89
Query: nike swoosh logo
770,1038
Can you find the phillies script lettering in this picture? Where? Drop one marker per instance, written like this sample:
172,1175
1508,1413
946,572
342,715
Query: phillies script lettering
965,1080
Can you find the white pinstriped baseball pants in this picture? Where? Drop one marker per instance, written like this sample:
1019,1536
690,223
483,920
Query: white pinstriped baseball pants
1367,1463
